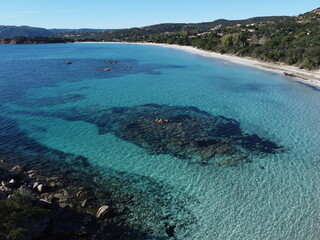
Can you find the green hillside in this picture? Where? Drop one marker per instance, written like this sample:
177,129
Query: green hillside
290,40
26,31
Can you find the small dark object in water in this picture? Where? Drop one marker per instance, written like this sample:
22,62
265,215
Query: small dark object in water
262,167
68,62
170,230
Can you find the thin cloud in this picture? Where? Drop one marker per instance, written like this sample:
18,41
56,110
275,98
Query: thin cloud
24,12
69,10
18,14
8,16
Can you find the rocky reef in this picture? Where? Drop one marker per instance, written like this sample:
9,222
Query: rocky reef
185,132
35,204
64,197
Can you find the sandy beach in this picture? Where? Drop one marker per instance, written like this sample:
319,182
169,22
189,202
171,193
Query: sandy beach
311,78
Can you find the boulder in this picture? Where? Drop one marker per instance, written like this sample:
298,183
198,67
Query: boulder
82,231
79,194
161,121
103,210
84,202
12,183
41,188
18,168
35,185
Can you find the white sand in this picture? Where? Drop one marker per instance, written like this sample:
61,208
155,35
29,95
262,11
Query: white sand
311,78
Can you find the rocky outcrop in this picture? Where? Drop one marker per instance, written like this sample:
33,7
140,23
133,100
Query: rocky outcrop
49,195
103,211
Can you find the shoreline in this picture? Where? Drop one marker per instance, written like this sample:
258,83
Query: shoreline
310,78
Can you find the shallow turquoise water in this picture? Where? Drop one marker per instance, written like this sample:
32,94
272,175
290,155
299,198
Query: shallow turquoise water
279,201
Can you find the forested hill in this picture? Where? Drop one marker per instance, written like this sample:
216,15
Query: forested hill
291,40
26,31
169,28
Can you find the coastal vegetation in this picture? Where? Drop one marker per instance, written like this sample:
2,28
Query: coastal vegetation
17,213
26,31
282,39
35,40
290,40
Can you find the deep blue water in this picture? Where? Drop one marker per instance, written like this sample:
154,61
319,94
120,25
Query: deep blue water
238,159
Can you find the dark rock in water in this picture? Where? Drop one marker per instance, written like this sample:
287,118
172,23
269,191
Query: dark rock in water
82,231
18,168
170,230
181,131
4,174
136,200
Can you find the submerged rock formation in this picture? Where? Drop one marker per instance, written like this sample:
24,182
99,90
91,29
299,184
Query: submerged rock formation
181,131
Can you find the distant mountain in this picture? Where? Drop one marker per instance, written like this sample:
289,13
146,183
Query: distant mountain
68,30
166,28
26,31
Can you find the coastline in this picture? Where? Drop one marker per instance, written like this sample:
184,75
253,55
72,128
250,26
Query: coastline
311,78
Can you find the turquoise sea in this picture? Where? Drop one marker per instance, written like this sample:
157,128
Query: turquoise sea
239,157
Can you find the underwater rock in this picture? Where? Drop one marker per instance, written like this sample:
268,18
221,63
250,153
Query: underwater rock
133,207
102,211
161,121
12,183
84,202
82,232
170,230
35,185
4,174
182,131
41,188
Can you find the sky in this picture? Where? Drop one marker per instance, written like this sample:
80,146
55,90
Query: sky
115,14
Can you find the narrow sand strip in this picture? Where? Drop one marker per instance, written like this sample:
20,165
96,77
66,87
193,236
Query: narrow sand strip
311,78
